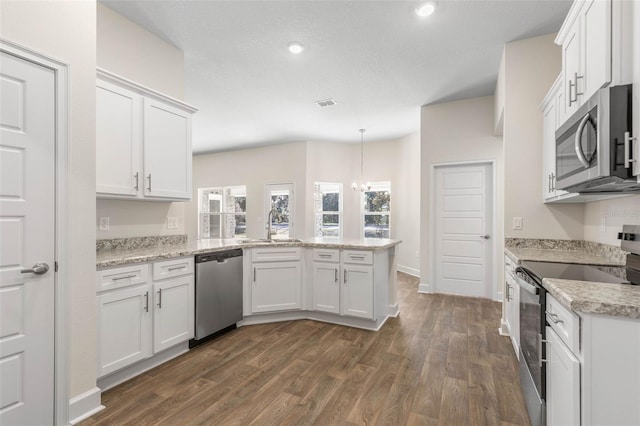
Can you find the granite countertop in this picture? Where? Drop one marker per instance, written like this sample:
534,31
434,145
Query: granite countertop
560,256
621,300
124,256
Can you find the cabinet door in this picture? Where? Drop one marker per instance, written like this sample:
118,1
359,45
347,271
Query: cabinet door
275,286
596,33
124,328
572,69
167,151
563,383
118,140
548,149
326,287
513,313
357,291
173,312
635,93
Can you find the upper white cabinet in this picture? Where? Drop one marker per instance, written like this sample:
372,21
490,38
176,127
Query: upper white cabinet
143,142
551,107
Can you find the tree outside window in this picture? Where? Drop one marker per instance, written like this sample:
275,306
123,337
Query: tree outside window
328,209
222,212
377,211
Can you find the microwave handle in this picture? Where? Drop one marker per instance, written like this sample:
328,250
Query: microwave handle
578,142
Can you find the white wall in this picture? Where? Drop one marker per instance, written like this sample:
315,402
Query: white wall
531,67
615,212
66,31
135,53
455,132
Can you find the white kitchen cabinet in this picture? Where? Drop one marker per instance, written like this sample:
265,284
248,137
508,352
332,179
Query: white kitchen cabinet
276,286
357,291
635,93
563,383
326,287
173,315
550,113
512,303
143,142
572,69
125,328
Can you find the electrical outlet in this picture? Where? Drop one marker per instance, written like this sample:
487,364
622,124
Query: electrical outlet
517,223
104,223
172,222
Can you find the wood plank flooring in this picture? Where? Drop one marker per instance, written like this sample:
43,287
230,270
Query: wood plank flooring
441,362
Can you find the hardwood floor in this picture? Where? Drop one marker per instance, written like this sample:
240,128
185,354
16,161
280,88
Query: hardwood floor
441,362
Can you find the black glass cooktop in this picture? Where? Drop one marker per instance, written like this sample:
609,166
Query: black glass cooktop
570,271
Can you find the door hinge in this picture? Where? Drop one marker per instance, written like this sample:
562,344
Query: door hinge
55,266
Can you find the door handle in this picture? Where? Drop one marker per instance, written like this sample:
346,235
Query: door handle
336,275
146,302
137,175
160,298
38,269
578,142
486,237
628,144
149,177
345,276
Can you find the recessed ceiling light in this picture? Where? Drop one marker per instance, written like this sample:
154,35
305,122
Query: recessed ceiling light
296,47
425,10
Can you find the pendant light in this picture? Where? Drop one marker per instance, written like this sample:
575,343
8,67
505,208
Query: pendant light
363,186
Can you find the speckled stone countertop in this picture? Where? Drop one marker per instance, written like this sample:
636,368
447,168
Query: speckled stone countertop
621,300
560,256
110,258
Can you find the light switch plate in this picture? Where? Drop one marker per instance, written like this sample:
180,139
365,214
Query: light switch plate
517,223
104,223
172,222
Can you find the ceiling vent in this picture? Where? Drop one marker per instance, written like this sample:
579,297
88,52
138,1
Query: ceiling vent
326,102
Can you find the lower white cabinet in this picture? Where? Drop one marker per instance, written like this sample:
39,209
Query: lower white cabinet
326,287
563,383
173,317
139,320
276,286
512,304
357,291
125,328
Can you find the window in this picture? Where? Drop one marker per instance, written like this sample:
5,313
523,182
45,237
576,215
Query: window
376,210
279,199
327,200
223,212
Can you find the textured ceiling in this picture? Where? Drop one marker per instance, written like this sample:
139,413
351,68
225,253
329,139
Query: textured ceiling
377,59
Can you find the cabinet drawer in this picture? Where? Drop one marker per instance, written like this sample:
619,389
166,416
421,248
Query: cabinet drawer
326,255
172,268
509,265
275,254
357,256
109,279
565,323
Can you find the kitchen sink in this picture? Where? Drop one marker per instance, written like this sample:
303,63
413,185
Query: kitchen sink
265,241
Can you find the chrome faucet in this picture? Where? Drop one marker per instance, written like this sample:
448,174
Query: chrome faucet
269,220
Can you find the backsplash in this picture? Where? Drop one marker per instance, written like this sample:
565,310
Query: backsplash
135,243
606,250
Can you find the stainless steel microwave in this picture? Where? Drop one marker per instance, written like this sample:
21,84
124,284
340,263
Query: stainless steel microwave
593,148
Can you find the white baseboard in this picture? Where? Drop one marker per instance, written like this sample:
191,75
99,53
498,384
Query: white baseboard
394,310
84,406
410,271
504,328
365,324
425,288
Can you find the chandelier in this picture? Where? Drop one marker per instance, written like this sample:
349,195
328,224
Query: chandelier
363,186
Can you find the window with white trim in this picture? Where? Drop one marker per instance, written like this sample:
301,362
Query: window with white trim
223,212
327,200
376,211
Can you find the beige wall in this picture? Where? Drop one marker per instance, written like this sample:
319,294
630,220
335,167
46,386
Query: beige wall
457,132
531,67
66,31
133,52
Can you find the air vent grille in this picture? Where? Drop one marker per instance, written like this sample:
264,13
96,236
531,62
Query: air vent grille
326,102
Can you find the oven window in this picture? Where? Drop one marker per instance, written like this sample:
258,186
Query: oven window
567,162
530,333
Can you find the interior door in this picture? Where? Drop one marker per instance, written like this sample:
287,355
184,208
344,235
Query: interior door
463,220
27,241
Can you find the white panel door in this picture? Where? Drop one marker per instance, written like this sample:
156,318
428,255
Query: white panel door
27,225
326,287
167,151
463,209
125,328
357,291
118,140
173,312
563,383
275,286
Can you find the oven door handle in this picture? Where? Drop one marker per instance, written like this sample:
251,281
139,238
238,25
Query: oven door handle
528,287
578,142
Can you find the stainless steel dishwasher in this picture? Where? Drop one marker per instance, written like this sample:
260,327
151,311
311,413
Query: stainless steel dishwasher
218,292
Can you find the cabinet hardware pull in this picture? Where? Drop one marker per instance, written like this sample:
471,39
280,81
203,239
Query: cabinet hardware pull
356,257
628,143
508,292
324,255
136,186
336,275
554,318
345,276
159,298
123,278
146,303
176,268
577,77
254,274
553,181
149,177
571,101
